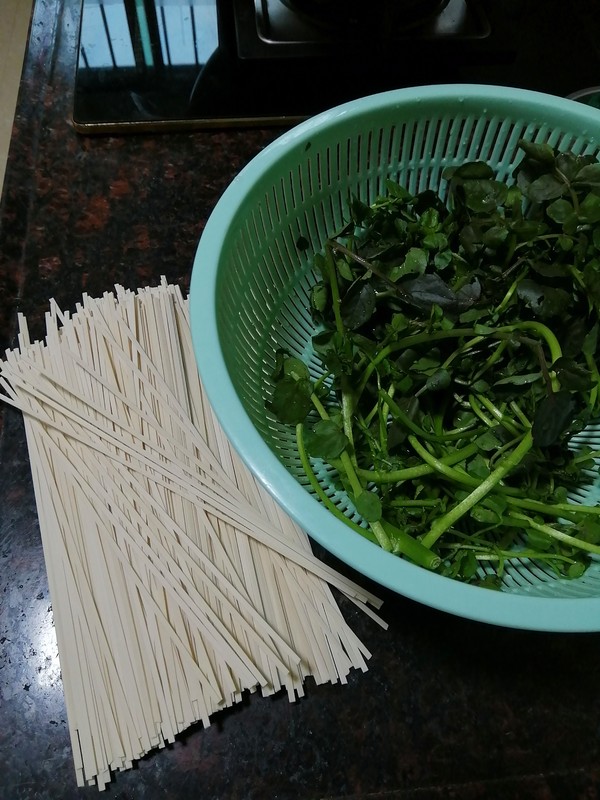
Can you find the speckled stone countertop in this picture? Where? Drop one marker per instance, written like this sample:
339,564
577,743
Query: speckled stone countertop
448,709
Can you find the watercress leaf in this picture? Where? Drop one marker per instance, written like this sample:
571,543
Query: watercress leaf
442,259
325,440
589,175
396,436
478,467
546,187
495,236
324,341
590,342
438,319
550,269
470,170
469,565
552,417
394,189
428,290
468,294
496,503
577,569
334,349
435,241
295,368
488,441
430,220
591,278
565,243
486,516
409,405
401,229
344,269
460,494
368,506
528,229
538,151
426,200
520,379
464,418
440,380
473,314
589,530
484,195
523,177
560,494
291,400
358,304
589,209
572,375
406,359
320,264
531,293
280,355
470,237
364,345
359,211
554,302
537,540
415,262
569,165
429,361
560,210
405,384
399,322
493,582
483,330
319,297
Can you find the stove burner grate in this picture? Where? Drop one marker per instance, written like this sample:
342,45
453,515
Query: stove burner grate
343,15
305,28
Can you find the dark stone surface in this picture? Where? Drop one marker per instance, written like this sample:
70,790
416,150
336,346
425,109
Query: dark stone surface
448,709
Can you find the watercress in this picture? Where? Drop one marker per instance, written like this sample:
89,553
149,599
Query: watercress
458,339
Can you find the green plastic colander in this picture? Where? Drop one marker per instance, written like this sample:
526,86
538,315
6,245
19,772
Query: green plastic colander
250,287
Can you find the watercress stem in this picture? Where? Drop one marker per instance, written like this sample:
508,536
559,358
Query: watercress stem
440,466
570,511
595,376
335,290
319,491
403,542
498,415
492,359
573,541
355,484
441,525
410,425
419,470
543,331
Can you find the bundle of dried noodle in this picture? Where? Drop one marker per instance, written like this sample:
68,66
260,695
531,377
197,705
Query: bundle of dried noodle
177,582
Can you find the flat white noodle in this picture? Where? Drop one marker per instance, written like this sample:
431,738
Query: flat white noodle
177,582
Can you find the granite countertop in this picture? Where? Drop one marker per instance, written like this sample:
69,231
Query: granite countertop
448,708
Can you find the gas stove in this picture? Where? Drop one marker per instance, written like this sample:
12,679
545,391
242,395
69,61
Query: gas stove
177,64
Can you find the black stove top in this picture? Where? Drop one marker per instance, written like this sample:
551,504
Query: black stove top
173,64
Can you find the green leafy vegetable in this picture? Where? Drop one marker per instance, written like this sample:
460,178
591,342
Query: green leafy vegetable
325,440
458,341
